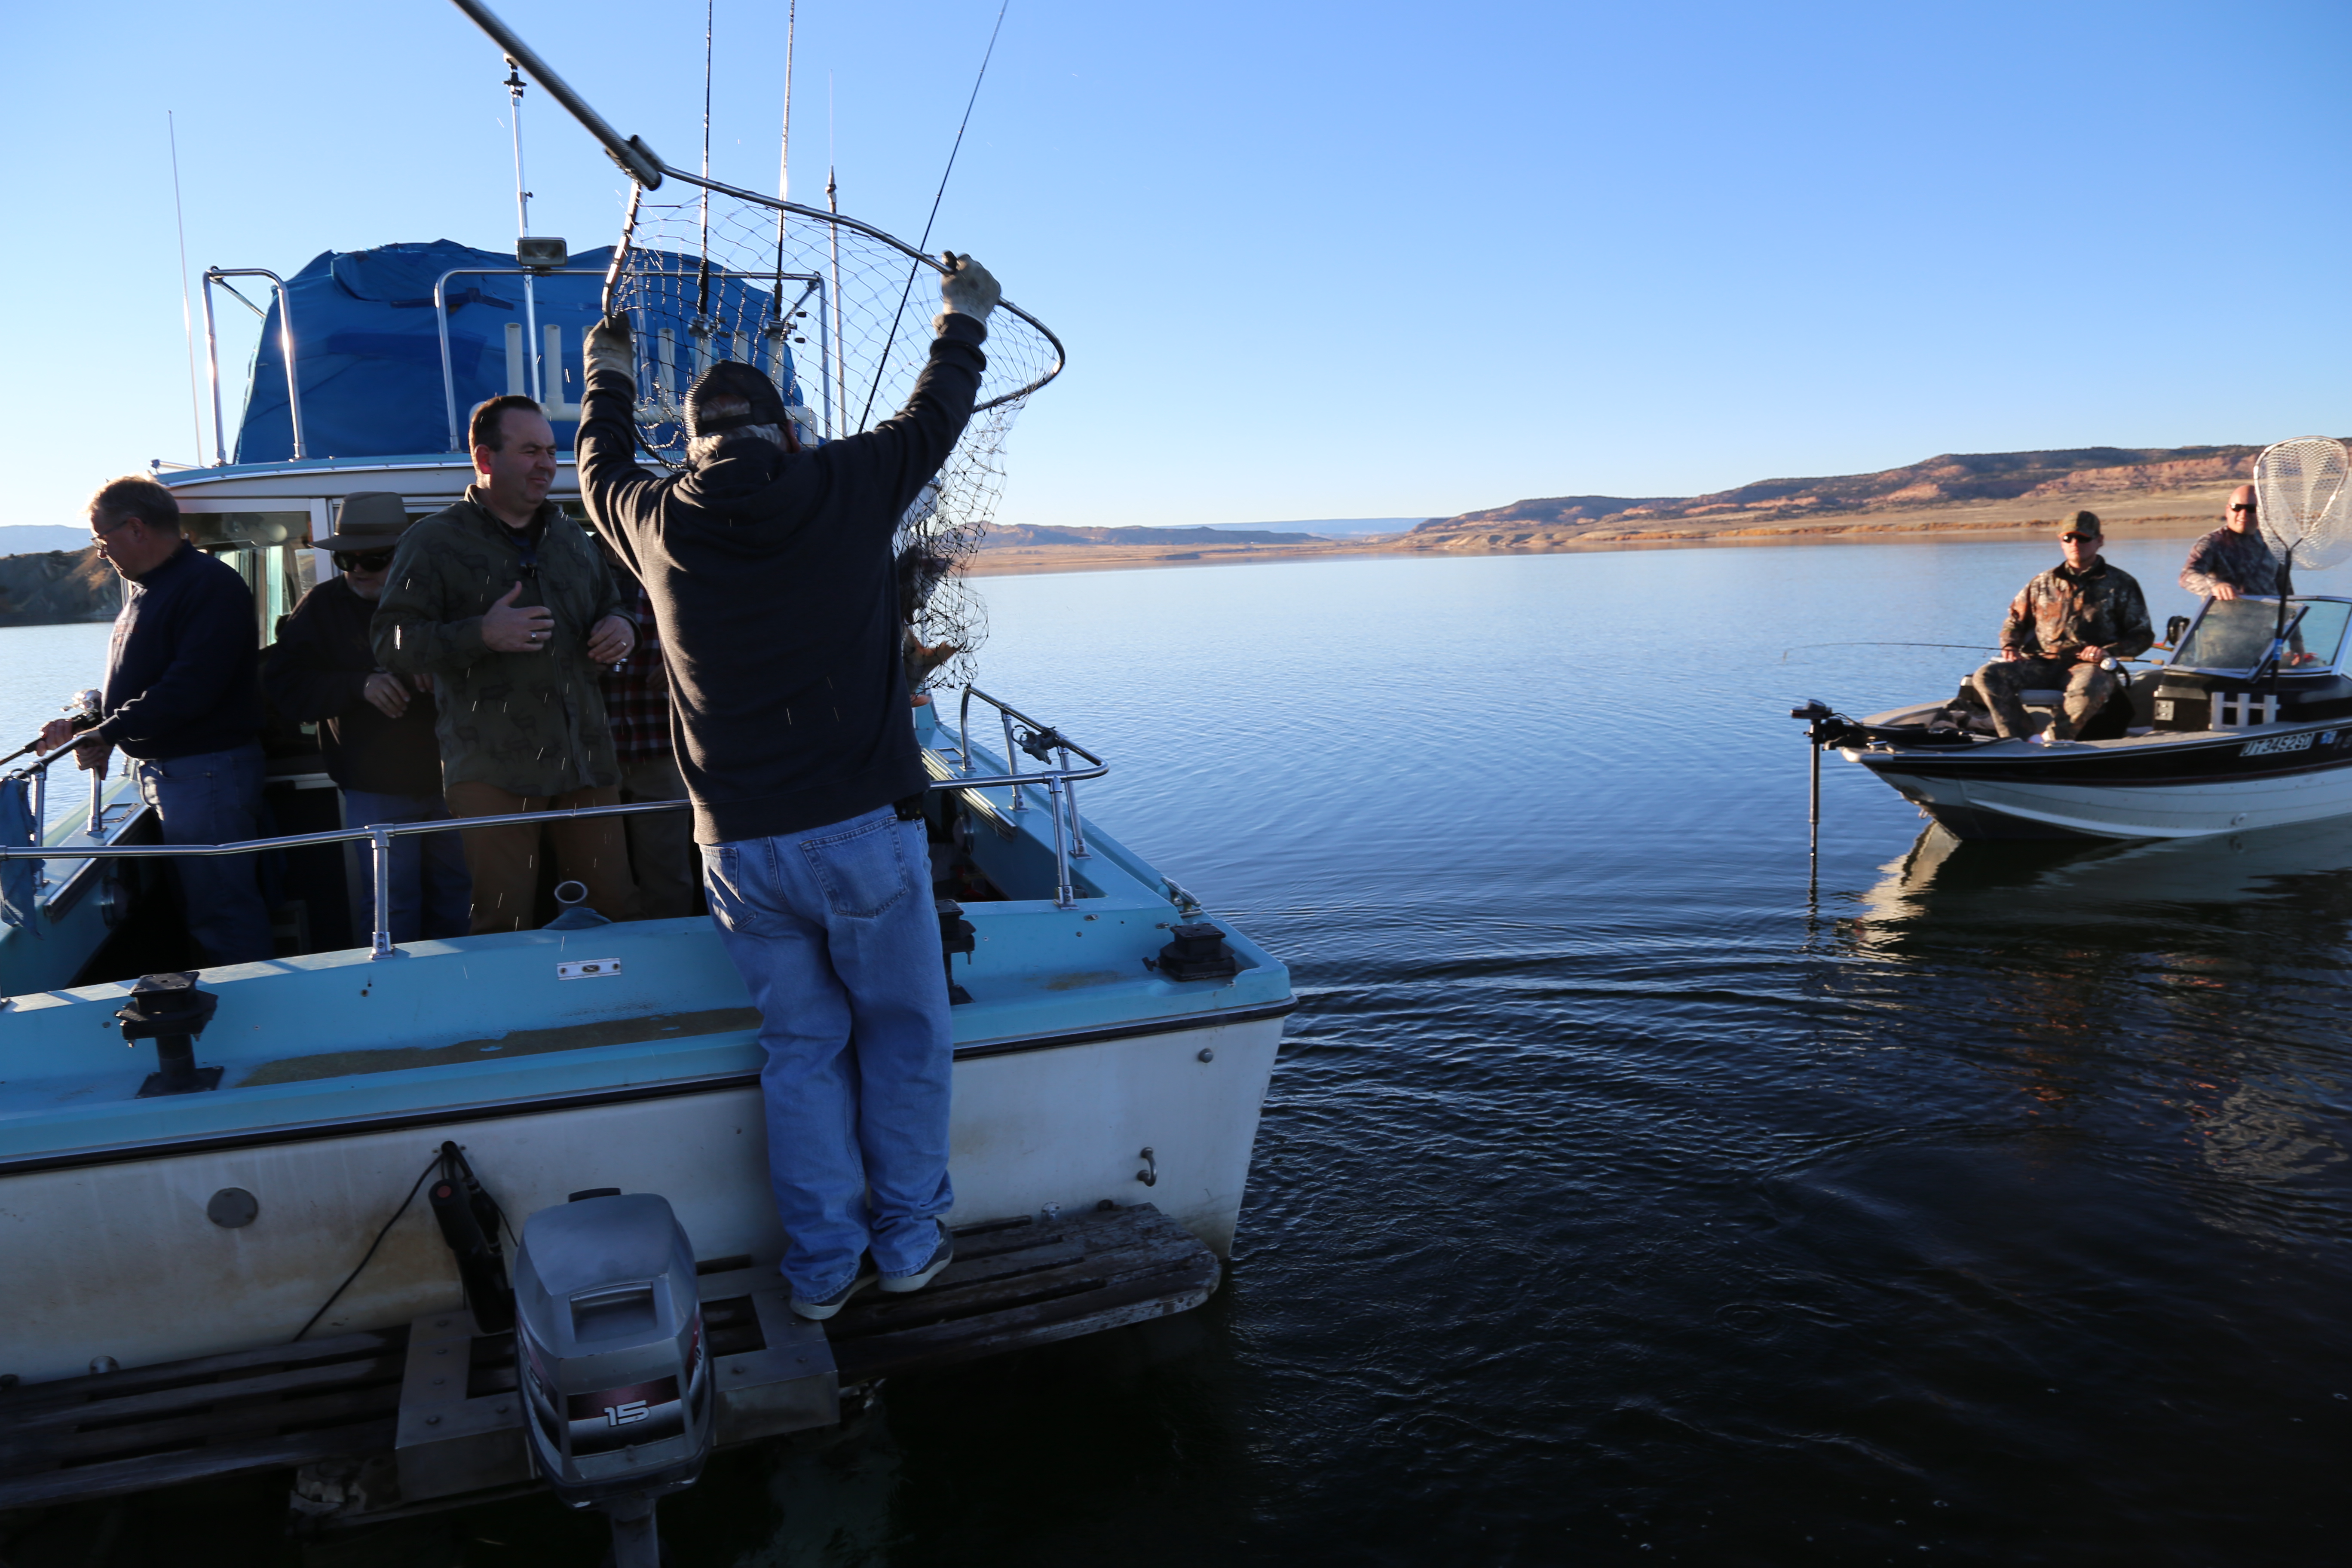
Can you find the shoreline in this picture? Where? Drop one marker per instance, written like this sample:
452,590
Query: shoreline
1863,529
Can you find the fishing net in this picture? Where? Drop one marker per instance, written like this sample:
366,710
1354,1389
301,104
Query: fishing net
2303,501
838,316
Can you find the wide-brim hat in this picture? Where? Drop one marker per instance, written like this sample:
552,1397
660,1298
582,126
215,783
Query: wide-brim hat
371,520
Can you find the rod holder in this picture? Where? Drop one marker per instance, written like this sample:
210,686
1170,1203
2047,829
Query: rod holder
169,1010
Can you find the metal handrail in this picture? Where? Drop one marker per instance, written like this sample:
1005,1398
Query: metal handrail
380,836
441,317
1061,784
286,349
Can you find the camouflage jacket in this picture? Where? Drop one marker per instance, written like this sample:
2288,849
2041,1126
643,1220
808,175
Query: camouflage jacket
2243,560
2060,614
532,723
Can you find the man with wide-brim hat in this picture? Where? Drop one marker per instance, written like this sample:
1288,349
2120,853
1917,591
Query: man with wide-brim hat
375,729
2062,629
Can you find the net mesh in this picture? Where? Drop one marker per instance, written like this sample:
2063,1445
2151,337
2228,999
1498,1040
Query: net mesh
838,316
2303,501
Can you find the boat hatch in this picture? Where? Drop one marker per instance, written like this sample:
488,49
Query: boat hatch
2233,637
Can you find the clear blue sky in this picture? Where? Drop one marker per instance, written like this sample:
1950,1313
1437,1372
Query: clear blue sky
1310,260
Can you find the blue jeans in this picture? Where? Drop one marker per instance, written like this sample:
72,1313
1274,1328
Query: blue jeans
215,797
836,935
432,896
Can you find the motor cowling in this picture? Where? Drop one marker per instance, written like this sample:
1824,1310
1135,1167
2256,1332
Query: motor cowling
608,1331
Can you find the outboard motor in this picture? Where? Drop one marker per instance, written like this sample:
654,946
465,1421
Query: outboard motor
608,1325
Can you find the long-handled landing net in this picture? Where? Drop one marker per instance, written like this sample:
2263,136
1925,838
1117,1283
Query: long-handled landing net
823,306
2303,503
2303,500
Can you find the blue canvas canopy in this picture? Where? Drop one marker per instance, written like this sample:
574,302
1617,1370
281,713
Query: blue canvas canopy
368,348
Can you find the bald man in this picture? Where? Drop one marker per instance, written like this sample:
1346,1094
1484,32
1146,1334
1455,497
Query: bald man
2234,559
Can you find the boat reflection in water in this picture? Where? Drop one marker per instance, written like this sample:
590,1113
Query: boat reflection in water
2196,982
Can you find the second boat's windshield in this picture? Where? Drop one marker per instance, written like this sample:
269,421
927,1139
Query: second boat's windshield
2235,634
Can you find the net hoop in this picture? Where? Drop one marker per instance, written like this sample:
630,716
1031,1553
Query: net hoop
2302,490
622,251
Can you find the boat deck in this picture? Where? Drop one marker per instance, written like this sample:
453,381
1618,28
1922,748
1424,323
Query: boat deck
360,1399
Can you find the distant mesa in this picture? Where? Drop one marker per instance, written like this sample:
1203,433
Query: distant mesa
2065,479
47,587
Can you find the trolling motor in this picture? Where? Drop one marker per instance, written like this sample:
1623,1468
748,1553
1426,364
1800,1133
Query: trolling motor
608,1334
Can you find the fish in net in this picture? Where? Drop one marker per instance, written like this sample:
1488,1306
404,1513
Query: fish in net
2303,500
838,315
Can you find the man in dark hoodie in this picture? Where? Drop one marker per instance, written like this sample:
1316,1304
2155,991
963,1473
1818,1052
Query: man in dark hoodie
770,572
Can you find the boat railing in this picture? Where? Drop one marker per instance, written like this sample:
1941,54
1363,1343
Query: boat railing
379,838
1044,743
217,277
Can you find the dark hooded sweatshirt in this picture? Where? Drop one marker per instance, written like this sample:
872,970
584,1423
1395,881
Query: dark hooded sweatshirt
772,582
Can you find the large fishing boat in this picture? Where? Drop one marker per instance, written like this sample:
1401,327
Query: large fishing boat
218,1255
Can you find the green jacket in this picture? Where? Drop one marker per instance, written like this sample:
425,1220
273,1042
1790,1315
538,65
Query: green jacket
532,723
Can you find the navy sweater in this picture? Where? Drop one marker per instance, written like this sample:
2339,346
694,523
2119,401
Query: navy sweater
181,673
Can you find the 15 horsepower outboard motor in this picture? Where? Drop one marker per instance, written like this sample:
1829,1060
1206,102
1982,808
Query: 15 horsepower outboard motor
609,1328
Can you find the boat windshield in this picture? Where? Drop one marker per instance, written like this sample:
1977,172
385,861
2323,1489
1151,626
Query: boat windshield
2235,634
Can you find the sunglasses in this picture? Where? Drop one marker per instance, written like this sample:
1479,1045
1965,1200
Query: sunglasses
365,561
2241,508
2078,537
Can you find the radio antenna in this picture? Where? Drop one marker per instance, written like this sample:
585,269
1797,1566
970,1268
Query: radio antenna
784,158
514,86
187,316
925,243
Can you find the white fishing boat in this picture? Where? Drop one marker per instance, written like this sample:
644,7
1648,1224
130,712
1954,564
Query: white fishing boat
231,1205
2247,723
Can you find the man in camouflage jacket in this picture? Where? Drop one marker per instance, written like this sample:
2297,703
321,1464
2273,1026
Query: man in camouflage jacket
509,606
2060,628
2235,558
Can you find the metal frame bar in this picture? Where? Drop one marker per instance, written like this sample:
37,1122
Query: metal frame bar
1061,783
441,321
381,835
286,348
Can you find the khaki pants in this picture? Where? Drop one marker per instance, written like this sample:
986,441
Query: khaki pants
662,855
504,861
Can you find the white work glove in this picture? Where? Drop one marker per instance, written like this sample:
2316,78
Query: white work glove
612,346
967,290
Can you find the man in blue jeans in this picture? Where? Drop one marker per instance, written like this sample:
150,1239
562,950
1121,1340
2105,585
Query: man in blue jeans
772,585
183,703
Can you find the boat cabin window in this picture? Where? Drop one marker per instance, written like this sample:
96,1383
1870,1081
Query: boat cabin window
2234,634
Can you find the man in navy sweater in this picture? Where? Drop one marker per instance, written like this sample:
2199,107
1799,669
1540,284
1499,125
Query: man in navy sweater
772,580
183,702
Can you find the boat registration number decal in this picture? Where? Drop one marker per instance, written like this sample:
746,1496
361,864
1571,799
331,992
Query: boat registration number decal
2270,745
588,969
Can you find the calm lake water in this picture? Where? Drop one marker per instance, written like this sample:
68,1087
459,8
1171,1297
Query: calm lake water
1616,1202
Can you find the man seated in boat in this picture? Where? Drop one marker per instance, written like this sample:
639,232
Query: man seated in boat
770,572
2235,558
2060,627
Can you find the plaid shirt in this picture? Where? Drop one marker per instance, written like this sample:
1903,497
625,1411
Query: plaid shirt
636,698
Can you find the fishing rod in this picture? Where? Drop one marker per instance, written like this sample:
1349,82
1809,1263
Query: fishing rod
1956,647
924,244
